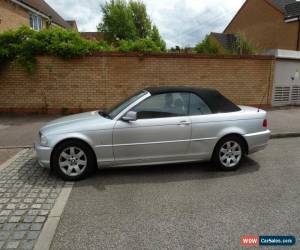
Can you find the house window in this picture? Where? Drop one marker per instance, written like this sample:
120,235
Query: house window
35,22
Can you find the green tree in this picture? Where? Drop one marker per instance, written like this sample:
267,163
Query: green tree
124,21
140,17
117,23
157,39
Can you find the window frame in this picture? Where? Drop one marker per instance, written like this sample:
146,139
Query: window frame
173,92
36,21
189,113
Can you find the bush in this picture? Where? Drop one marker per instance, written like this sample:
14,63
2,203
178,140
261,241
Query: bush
141,45
243,46
209,46
24,44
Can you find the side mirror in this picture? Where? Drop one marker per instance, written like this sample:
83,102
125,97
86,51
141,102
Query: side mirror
130,116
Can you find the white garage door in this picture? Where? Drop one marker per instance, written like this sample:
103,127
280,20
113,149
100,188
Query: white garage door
286,90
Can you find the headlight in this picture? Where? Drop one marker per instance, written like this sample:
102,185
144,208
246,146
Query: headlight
43,140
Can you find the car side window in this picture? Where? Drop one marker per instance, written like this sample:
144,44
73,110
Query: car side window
198,106
163,105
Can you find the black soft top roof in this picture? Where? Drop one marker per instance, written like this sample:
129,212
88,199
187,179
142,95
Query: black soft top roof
213,98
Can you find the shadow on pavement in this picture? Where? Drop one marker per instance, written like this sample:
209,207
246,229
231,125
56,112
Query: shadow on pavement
163,174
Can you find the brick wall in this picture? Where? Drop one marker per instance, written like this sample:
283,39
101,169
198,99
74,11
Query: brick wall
102,80
12,16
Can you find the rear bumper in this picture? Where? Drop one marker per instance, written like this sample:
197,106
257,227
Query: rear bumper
43,155
257,141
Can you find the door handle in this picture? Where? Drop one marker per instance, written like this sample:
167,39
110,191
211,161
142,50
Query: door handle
184,123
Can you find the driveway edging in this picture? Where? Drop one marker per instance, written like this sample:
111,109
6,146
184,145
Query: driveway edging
12,159
284,135
46,236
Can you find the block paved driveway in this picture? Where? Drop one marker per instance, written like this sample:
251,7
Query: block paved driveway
27,195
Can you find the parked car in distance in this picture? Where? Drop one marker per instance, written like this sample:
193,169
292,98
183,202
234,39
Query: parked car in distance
158,125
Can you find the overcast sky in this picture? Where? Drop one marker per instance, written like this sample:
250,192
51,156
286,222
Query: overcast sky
181,22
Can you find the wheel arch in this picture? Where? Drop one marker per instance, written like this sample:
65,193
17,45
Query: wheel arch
237,135
72,139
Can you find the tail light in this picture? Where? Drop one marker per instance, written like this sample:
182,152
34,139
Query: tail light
265,123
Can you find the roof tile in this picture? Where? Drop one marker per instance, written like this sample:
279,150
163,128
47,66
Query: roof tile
42,6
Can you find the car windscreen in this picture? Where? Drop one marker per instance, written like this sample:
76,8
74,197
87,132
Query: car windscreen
113,112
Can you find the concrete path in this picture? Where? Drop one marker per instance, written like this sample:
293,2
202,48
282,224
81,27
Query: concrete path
185,206
21,130
286,120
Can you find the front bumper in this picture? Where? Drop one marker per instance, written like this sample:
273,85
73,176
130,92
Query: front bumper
257,141
43,155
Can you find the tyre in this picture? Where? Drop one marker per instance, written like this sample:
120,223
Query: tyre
73,160
229,153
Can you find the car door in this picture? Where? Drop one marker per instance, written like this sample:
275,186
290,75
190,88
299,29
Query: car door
161,132
204,128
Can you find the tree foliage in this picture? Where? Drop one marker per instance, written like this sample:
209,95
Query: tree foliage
124,21
141,19
209,46
241,46
157,39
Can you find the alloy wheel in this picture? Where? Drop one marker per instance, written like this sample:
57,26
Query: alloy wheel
230,154
72,161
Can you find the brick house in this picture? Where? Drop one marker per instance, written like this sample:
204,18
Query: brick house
268,24
36,14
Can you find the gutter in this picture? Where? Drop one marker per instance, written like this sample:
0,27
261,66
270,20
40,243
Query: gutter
30,9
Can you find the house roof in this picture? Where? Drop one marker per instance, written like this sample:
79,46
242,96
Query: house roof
42,6
73,24
226,40
292,10
281,4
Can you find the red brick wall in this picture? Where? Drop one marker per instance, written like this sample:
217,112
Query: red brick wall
103,80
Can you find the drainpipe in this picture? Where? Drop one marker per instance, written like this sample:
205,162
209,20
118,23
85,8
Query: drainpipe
298,38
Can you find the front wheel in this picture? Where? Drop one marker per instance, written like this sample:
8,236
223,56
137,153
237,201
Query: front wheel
73,160
229,153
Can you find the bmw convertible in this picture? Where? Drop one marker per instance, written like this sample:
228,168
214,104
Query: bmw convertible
158,125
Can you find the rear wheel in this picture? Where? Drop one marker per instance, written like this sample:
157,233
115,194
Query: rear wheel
73,160
229,153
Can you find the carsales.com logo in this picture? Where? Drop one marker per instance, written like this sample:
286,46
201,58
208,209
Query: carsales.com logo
255,241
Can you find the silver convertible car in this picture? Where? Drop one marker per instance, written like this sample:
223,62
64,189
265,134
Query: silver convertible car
155,126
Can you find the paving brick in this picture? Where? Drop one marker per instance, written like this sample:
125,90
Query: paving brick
33,212
40,219
18,235
32,235
4,235
23,226
28,219
9,226
36,206
19,212
36,226
27,244
12,244
14,219
5,212
3,219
